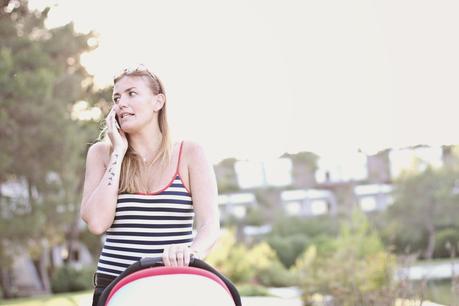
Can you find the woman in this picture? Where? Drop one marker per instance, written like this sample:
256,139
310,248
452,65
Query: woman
141,190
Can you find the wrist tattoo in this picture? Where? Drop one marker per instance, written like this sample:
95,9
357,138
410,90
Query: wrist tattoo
111,173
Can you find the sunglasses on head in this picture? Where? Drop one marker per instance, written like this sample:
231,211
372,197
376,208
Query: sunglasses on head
142,68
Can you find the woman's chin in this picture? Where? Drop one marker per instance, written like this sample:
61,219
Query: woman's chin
129,128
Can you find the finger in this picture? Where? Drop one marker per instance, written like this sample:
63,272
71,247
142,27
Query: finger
110,120
180,257
173,256
108,123
117,123
166,256
114,121
114,124
109,113
187,255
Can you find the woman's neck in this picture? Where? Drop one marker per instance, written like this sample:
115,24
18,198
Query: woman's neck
146,144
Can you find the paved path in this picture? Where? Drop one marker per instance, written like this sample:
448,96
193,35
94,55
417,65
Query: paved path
270,301
421,271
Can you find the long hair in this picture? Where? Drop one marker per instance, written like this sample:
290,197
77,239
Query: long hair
131,174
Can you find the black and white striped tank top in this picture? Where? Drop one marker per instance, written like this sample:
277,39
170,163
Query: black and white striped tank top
145,223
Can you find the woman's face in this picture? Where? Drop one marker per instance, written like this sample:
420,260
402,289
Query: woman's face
134,103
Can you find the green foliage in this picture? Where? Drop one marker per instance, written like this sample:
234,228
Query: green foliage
68,279
311,227
291,235
252,290
276,275
43,148
289,248
358,269
447,242
254,216
242,264
91,241
424,204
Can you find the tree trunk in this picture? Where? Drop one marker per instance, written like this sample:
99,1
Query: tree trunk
431,232
72,239
431,241
6,283
41,265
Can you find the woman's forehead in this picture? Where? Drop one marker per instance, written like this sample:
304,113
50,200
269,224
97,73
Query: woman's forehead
128,82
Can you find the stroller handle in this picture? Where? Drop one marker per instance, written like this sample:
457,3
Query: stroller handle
158,261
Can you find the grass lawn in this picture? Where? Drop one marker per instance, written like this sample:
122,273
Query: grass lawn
82,298
440,292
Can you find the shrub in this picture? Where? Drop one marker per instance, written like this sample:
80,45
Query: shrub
447,242
288,248
69,279
258,264
355,273
252,290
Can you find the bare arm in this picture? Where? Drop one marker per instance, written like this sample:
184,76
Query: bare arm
100,189
204,190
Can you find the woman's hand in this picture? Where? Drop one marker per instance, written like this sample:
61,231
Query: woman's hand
176,255
116,135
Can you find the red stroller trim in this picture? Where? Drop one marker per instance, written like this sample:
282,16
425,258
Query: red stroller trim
153,269
160,271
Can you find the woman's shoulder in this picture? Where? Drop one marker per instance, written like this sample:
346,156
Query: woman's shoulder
102,150
191,147
193,151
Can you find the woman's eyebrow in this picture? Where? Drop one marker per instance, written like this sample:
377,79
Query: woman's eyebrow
117,94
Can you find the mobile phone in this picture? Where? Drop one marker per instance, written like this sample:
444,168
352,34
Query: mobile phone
117,122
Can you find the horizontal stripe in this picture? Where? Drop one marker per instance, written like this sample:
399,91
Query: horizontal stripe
141,198
146,238
140,217
170,192
116,261
112,265
161,209
140,225
143,242
109,271
132,252
159,205
135,258
156,201
137,229
108,266
155,213
136,250
143,234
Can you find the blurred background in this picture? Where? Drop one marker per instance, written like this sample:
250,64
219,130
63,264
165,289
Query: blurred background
332,128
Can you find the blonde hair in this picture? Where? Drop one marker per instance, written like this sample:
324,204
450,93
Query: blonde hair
131,175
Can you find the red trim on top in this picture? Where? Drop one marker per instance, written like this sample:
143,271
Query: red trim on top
179,156
178,172
173,178
159,271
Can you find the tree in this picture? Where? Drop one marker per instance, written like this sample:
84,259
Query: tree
354,270
424,203
41,78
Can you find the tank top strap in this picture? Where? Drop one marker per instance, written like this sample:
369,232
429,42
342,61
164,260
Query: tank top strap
179,157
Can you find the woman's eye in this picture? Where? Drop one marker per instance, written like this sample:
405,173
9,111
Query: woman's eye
132,92
115,100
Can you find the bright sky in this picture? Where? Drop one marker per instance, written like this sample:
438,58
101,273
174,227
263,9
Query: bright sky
255,79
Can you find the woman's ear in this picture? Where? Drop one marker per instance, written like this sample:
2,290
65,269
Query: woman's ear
160,99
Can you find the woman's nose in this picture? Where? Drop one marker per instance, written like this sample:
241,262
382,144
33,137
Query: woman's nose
122,101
